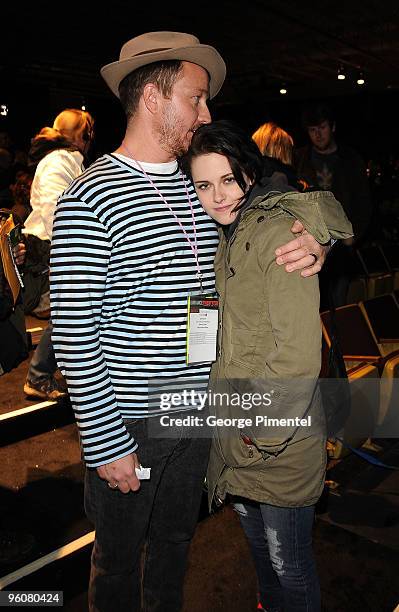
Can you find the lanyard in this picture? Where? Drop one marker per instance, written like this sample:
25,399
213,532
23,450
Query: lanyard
194,246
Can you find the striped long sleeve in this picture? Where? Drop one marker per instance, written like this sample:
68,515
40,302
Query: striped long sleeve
121,271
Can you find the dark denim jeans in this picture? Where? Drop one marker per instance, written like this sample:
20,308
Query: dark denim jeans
281,544
161,518
43,363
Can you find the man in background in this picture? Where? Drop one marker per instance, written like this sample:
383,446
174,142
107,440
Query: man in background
333,166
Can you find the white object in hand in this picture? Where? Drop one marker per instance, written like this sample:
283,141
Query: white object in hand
143,473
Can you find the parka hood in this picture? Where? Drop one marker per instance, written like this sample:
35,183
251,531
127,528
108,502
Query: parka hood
320,213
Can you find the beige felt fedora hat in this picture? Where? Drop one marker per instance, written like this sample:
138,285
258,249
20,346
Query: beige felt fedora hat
158,46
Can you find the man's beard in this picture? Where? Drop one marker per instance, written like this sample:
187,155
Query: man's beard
322,146
170,134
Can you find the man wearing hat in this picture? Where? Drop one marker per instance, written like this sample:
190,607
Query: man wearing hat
130,243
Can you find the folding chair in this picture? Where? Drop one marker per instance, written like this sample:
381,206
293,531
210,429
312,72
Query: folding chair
362,356
379,275
364,412
391,255
380,403
382,315
388,419
357,341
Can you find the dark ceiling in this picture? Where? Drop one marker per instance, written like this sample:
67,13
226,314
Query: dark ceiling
265,42
59,48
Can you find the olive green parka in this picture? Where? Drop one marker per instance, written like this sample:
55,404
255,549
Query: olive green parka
270,341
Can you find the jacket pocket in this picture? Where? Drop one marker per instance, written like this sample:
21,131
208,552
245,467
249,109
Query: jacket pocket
234,452
257,398
243,343
250,349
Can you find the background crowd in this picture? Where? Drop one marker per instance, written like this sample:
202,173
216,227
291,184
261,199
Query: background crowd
367,189
367,186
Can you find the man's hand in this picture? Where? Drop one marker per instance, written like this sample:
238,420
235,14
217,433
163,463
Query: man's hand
20,253
120,474
303,253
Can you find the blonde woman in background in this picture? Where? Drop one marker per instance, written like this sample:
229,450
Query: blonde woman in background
275,142
276,145
57,153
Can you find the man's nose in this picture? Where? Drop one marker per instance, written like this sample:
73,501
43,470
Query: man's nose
204,115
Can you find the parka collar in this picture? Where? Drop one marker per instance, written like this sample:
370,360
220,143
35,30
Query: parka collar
319,212
275,184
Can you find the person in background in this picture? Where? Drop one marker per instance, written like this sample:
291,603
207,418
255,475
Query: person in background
333,166
276,145
21,207
270,338
6,178
58,153
144,245
14,545
13,338
274,142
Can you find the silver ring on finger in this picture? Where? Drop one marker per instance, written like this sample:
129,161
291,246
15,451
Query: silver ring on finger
113,486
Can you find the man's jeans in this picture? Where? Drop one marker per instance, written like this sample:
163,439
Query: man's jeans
43,363
281,544
163,514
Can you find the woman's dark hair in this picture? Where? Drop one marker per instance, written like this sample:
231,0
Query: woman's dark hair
230,140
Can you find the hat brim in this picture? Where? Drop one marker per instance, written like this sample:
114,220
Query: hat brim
204,55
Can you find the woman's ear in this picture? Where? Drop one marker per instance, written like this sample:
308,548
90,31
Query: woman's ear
151,97
250,183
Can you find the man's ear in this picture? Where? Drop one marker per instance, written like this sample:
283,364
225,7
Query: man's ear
151,97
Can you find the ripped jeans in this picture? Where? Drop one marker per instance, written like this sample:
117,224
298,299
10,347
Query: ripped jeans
280,540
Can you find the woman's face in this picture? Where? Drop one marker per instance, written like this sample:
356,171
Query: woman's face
216,186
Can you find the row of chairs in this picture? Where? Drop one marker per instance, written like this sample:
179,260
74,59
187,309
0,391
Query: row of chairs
376,272
368,333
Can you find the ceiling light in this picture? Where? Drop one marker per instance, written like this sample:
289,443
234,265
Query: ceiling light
3,110
341,74
360,79
283,90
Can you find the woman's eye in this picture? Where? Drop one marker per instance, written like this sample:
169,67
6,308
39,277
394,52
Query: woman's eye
202,187
229,179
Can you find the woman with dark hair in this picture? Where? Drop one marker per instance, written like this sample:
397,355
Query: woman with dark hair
269,339
21,193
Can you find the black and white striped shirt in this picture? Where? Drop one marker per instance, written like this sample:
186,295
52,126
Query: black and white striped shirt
121,271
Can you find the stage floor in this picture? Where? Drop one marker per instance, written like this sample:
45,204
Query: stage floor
356,536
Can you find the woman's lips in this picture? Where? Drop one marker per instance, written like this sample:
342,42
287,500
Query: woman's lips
223,208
